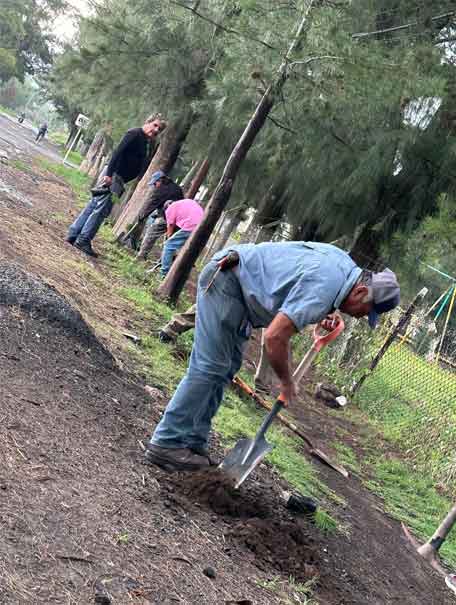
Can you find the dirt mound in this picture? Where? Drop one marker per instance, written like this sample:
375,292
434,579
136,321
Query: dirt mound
284,545
214,489
33,295
256,521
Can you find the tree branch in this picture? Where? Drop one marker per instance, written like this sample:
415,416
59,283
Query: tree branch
399,27
282,125
222,27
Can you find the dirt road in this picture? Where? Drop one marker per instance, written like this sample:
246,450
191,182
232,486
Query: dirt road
18,140
81,516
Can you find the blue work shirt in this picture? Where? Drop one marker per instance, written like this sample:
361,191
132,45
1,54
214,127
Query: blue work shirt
303,280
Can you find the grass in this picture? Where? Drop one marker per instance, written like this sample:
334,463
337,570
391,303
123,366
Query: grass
8,111
58,137
407,494
412,498
74,157
413,403
78,181
21,165
290,592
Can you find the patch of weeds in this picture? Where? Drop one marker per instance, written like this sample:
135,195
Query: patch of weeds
122,538
58,137
347,457
412,498
8,111
270,584
21,165
290,591
74,157
325,522
162,365
59,217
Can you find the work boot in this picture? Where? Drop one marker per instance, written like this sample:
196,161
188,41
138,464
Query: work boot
175,459
202,451
86,247
70,240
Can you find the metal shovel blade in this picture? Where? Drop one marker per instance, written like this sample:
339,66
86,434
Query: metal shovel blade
244,457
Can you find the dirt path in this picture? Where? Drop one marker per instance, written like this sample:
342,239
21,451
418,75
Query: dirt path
82,516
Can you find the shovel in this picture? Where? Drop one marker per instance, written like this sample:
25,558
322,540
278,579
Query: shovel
248,453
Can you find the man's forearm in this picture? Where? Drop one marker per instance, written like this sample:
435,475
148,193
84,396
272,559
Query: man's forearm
278,352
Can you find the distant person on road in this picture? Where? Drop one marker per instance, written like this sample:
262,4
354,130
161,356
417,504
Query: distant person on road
42,130
182,218
282,287
162,189
129,161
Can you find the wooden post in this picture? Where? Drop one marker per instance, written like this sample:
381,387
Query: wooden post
432,546
198,180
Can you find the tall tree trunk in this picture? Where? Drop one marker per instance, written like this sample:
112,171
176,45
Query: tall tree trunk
170,145
198,180
126,197
229,226
189,176
92,152
176,278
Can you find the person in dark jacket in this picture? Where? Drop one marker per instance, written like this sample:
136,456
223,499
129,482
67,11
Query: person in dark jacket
163,189
129,161
42,130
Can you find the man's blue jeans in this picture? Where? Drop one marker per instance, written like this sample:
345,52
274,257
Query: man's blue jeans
88,222
171,247
221,331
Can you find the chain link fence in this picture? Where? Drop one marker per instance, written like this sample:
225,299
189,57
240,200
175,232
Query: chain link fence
404,379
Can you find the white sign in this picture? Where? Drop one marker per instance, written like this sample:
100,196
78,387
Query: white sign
82,121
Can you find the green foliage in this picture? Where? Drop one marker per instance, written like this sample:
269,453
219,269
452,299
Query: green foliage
412,498
25,43
329,160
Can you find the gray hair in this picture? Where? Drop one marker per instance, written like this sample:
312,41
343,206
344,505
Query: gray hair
156,116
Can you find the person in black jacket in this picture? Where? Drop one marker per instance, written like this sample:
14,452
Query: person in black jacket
163,189
129,161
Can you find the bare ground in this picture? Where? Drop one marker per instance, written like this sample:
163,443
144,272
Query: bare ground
82,516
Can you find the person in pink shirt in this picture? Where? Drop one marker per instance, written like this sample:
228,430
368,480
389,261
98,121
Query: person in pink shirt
182,217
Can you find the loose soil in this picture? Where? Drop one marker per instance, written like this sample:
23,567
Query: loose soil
83,519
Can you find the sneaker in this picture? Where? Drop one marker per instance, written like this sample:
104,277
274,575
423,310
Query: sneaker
450,581
175,459
86,247
70,240
164,337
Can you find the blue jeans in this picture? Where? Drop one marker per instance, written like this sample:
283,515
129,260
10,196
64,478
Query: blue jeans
221,332
171,247
88,222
